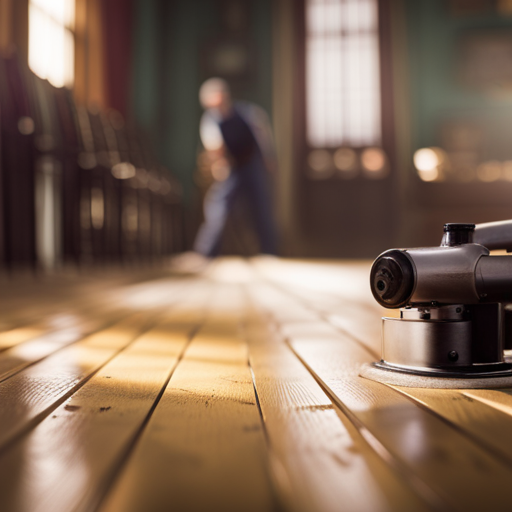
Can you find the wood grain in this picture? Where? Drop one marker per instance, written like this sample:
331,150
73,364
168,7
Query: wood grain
32,393
161,410
338,294
483,419
65,318
99,423
442,458
93,315
320,460
24,354
500,399
489,428
203,448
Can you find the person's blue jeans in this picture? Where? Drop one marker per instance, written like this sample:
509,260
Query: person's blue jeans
249,182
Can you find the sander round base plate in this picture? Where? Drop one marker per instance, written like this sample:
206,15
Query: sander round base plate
411,380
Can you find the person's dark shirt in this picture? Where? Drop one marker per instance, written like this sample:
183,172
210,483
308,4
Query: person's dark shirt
238,138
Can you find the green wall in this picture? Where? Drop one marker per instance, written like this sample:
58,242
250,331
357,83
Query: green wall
432,39
145,66
168,39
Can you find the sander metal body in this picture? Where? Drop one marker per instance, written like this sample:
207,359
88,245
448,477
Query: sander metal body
453,326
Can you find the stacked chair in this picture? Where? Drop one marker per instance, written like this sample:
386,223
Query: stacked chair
78,185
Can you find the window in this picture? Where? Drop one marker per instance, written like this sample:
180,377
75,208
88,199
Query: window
51,40
342,73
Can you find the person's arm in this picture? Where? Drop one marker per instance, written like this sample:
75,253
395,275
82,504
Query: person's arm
209,131
215,152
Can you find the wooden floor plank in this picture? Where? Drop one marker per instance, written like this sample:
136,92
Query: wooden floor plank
424,445
16,335
23,354
63,316
484,420
30,394
347,280
489,428
341,296
441,456
94,422
354,319
203,448
68,460
47,305
37,317
48,298
93,315
500,399
323,459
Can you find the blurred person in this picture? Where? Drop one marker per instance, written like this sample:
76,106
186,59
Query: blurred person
238,143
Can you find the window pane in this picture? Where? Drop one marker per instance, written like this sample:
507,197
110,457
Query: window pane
62,11
51,42
342,73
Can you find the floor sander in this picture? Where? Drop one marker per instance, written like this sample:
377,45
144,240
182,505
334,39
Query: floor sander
452,331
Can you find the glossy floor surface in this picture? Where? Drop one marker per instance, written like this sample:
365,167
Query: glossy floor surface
234,390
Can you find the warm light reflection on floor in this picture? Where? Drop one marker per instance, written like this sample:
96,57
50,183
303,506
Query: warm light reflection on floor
19,335
231,270
327,277
176,366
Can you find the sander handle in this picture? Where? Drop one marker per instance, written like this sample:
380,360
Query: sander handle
494,235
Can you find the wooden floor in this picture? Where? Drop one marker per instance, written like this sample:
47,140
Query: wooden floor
236,390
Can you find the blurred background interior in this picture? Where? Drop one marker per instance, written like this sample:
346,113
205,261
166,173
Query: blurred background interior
391,117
